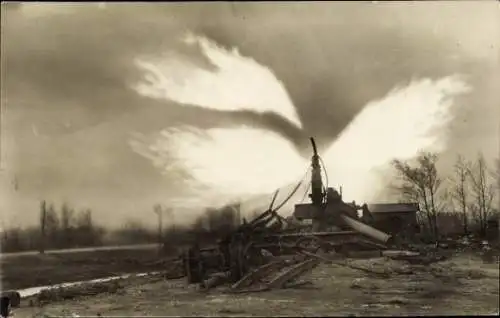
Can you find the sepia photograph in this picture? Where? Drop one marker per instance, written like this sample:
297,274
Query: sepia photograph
268,158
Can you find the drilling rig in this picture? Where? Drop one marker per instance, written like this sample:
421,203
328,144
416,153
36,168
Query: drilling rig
327,209
335,227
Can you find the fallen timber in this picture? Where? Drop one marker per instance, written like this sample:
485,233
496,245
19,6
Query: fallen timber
271,252
250,255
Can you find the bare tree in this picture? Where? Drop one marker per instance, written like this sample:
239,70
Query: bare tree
495,173
421,184
460,190
158,210
483,190
52,225
67,215
86,233
134,232
496,176
43,218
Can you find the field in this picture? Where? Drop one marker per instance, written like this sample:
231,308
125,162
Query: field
462,285
25,271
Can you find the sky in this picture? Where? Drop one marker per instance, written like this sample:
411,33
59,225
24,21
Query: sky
68,108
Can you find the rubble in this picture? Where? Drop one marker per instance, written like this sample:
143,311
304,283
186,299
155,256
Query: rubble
71,292
273,252
269,256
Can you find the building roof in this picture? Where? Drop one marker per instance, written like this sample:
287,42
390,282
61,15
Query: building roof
393,208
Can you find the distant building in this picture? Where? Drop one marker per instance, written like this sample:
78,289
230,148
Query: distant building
397,219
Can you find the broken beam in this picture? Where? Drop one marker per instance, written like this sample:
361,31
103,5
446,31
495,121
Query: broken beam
256,274
292,272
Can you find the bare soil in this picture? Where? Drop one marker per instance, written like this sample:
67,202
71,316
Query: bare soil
462,285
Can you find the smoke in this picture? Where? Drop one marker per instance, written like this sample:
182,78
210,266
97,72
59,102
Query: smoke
71,76
408,119
237,83
224,165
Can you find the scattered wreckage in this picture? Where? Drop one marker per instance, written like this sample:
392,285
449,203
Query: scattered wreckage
272,252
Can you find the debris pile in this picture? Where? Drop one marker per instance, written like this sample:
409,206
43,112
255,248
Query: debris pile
272,252
269,253
70,292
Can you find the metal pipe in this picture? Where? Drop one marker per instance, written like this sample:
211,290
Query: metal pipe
316,181
315,150
366,229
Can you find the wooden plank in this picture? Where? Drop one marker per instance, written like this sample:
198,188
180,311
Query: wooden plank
372,244
250,290
380,274
319,234
364,254
292,272
257,274
316,256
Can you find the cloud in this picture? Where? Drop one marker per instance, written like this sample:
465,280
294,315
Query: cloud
338,57
66,70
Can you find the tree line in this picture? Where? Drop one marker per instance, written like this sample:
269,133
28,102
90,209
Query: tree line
67,227
464,200
469,194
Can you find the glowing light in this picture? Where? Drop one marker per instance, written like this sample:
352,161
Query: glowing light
238,83
224,165
406,120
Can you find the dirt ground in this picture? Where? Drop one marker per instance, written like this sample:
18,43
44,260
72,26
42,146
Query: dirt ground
463,285
40,270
